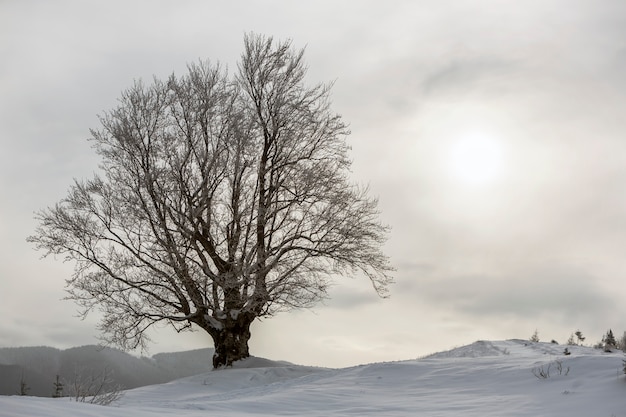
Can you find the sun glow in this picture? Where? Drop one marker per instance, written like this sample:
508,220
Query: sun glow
475,160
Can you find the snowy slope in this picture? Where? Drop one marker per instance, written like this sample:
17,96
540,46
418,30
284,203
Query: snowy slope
481,379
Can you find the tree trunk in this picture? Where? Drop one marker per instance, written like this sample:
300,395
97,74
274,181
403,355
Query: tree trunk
231,342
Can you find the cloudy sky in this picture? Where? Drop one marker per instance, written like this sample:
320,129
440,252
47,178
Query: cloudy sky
492,131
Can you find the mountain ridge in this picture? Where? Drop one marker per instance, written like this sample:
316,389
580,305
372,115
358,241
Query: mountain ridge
38,367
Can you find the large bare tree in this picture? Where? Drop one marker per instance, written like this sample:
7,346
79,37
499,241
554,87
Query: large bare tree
221,199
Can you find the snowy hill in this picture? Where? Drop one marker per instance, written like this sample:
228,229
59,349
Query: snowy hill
504,378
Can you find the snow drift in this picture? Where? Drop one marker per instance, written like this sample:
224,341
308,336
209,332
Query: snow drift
482,379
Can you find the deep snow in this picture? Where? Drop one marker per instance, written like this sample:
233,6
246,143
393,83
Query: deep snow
481,379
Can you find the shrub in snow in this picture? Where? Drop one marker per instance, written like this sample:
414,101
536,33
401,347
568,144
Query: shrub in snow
97,388
544,371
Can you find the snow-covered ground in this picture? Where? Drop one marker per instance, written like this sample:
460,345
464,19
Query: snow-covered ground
500,378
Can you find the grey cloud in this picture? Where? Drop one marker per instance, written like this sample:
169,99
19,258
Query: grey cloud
349,295
470,75
49,330
564,294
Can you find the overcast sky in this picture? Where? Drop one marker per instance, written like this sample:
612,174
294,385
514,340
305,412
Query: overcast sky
493,133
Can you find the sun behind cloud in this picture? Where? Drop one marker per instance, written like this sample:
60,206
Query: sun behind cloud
475,159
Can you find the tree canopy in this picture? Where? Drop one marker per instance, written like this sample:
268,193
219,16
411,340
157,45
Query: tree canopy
222,198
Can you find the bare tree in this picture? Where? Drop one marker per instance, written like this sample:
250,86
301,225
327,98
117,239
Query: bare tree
621,342
90,386
223,199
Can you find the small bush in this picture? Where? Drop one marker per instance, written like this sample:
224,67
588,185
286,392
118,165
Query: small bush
543,371
96,388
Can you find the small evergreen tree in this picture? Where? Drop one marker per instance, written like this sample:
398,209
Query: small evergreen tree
571,341
580,337
609,341
58,388
24,388
535,337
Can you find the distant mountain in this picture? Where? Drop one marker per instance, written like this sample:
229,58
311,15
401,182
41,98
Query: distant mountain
11,377
39,366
